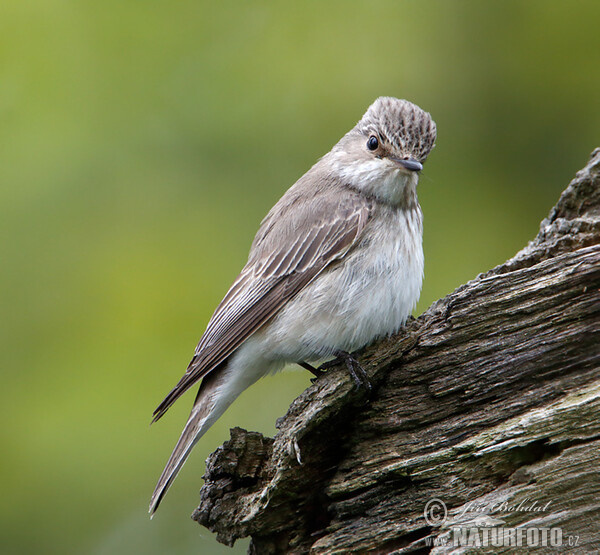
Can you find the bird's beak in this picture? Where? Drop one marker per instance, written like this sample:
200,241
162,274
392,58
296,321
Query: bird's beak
409,164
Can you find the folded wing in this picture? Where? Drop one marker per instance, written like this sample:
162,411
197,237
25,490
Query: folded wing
294,244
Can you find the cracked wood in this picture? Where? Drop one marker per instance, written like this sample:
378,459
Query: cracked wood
492,396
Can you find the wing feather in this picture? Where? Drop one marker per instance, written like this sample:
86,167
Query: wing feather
282,263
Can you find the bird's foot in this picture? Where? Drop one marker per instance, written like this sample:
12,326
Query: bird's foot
316,371
356,371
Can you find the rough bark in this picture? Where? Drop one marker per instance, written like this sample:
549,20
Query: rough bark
489,402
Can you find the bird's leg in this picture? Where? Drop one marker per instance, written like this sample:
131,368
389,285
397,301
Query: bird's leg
354,368
316,371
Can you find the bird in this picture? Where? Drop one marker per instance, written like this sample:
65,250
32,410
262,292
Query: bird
336,264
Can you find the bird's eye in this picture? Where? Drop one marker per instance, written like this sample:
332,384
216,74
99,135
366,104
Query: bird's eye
372,143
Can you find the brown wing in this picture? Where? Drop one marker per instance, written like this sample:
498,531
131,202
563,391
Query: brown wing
289,251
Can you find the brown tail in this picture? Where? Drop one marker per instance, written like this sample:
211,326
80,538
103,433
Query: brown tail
209,405
217,391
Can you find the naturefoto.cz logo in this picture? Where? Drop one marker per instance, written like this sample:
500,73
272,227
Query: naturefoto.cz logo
436,515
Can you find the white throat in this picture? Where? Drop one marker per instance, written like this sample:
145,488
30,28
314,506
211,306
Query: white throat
379,178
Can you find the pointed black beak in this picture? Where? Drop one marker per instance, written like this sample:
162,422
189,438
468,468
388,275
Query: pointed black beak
409,164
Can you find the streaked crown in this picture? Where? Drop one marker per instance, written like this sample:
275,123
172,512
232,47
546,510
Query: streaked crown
402,124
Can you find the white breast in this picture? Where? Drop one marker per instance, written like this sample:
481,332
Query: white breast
369,294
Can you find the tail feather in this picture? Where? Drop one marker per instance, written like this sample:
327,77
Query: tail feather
217,391
207,408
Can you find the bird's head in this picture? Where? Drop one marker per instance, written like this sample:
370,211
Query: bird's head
384,153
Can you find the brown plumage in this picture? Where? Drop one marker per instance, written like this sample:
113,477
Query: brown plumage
271,278
336,263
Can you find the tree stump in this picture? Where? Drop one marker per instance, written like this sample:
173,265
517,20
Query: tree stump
485,413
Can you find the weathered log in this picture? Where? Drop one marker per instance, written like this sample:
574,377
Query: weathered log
489,402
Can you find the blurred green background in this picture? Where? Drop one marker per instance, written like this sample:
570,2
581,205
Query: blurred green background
141,143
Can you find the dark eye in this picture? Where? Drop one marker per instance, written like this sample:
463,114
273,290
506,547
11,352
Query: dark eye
372,143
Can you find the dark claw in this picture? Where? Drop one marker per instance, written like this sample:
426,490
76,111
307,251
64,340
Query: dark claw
354,368
330,363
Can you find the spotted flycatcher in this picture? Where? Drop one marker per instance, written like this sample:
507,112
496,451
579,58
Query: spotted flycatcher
336,263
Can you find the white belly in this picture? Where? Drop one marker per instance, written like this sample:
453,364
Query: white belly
367,295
